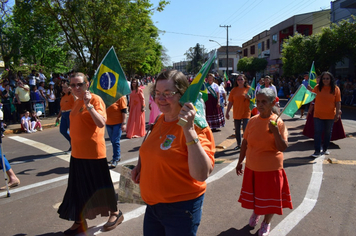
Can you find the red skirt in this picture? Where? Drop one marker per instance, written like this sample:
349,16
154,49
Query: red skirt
265,192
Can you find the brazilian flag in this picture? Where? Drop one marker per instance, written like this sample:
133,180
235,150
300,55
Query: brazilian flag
197,86
301,97
251,93
109,81
312,76
226,78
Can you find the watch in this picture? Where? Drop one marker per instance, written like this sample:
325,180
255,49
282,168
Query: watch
89,107
194,141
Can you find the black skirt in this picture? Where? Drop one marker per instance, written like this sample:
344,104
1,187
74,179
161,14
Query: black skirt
90,190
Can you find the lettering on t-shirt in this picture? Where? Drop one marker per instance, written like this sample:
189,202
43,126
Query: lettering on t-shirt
167,144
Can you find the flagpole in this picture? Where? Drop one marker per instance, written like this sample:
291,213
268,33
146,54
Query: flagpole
279,115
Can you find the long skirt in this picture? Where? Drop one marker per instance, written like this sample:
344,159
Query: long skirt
90,191
337,132
214,115
265,192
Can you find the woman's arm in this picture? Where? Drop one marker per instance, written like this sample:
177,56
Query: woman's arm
199,163
227,115
337,115
281,144
243,149
98,119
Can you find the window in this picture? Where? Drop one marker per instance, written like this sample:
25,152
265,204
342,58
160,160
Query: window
274,38
252,49
267,44
263,46
245,52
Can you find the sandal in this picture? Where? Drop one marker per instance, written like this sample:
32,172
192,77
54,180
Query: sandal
112,225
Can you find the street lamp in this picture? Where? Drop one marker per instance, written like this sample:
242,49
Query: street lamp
215,42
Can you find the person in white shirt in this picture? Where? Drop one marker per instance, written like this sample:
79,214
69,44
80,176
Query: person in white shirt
41,76
26,123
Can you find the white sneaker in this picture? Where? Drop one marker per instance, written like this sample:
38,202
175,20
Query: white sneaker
34,131
41,129
326,153
29,131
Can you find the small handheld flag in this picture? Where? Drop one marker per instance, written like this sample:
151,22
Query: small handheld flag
197,86
302,96
312,76
251,93
109,81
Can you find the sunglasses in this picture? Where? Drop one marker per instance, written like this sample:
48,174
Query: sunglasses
76,85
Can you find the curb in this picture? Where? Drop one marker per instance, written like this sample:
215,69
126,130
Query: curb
19,130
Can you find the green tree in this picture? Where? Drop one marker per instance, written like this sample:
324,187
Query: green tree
252,64
195,57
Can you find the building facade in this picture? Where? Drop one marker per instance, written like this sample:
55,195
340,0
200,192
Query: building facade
234,53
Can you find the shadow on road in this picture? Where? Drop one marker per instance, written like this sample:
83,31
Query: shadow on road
59,171
236,232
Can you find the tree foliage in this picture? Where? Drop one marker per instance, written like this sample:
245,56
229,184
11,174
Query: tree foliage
195,58
326,49
251,64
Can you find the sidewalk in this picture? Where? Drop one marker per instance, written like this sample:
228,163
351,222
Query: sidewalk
46,122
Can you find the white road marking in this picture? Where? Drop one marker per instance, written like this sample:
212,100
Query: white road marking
310,199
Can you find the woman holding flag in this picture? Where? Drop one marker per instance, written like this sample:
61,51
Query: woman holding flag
90,190
214,114
265,188
239,99
175,160
326,111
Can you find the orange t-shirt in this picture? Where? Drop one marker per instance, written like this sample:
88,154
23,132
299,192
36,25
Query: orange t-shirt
114,111
87,139
67,102
241,105
165,174
262,153
324,107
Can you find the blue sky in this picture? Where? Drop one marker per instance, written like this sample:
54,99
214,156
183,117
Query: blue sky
187,23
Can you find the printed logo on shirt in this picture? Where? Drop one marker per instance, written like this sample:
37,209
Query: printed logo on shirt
167,144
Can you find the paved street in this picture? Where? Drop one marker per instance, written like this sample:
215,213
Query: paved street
323,193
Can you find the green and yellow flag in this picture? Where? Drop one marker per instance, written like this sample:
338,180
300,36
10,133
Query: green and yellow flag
197,86
226,78
109,81
251,93
301,97
312,76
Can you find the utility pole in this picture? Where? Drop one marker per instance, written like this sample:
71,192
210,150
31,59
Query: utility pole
227,47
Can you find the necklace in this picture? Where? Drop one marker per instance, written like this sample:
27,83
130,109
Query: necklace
160,129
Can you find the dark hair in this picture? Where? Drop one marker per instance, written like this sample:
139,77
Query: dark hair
136,89
332,82
245,80
67,83
79,74
179,79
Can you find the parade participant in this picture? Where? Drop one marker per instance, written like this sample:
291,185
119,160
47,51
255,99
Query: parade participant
154,110
265,188
305,82
267,83
136,126
90,190
66,105
174,163
214,114
337,132
326,111
13,180
240,101
115,125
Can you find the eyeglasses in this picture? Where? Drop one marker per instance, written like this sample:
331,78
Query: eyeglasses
76,85
165,94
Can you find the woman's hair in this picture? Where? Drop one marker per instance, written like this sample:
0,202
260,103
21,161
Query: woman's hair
245,80
332,82
179,79
270,79
269,93
66,83
134,79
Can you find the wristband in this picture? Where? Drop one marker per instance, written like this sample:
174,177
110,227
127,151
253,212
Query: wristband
194,141
89,107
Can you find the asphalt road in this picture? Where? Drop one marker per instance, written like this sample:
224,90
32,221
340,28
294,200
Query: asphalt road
323,194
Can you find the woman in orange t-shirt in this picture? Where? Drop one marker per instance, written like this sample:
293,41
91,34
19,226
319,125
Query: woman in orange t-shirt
174,163
90,190
66,104
240,101
136,126
265,187
326,111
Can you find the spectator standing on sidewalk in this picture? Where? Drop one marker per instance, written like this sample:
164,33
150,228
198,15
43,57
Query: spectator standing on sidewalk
22,94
